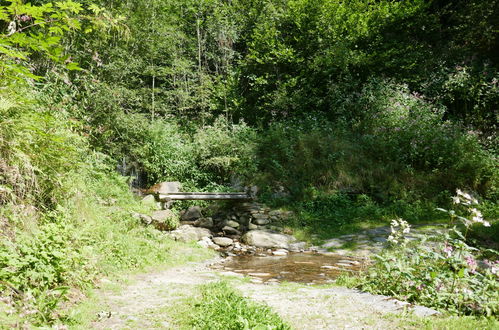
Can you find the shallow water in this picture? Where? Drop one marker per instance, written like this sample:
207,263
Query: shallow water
295,267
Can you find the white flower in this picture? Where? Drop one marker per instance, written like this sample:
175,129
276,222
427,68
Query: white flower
476,212
456,200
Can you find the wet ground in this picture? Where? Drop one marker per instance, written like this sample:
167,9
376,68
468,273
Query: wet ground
295,267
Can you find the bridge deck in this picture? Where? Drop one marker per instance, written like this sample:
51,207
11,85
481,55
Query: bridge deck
207,196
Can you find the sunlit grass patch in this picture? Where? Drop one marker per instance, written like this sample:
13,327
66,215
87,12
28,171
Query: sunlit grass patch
219,306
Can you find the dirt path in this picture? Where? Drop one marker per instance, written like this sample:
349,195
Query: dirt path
147,302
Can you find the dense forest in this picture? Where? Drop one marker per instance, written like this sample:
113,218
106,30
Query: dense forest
339,110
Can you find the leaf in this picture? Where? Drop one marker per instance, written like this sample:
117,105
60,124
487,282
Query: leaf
12,53
56,30
73,66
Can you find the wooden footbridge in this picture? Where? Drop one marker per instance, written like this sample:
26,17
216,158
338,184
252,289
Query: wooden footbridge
204,196
167,192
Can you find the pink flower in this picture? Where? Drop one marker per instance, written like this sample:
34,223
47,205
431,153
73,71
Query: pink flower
448,250
25,18
471,263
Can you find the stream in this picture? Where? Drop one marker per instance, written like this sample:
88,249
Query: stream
294,267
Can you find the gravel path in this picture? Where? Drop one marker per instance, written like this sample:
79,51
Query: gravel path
147,302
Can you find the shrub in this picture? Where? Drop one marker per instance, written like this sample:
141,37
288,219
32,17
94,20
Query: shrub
442,271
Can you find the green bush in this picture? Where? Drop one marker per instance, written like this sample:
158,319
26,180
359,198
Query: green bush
398,147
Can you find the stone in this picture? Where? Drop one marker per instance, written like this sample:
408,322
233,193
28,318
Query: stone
223,241
204,222
252,226
192,213
205,242
260,274
230,231
232,224
423,311
262,222
342,264
164,220
333,243
297,247
147,220
149,200
263,239
280,252
162,215
164,188
187,233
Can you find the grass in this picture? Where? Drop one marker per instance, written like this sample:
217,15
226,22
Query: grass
330,215
220,307
444,322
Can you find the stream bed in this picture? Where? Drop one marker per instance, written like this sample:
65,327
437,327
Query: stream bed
294,267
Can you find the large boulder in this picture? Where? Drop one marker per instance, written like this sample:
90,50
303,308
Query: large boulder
192,213
164,220
188,233
264,239
164,188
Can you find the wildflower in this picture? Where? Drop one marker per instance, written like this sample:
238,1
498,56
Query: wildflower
420,287
467,291
456,200
471,263
25,18
477,217
465,198
448,250
392,239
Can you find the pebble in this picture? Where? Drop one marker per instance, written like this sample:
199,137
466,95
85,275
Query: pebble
280,252
260,274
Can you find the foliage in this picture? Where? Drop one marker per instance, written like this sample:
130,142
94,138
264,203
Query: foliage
401,149
221,307
38,29
441,272
351,110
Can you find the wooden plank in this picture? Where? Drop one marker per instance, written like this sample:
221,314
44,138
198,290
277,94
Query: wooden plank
207,193
204,196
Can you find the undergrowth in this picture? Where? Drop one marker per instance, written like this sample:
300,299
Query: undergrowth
65,218
442,271
220,307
